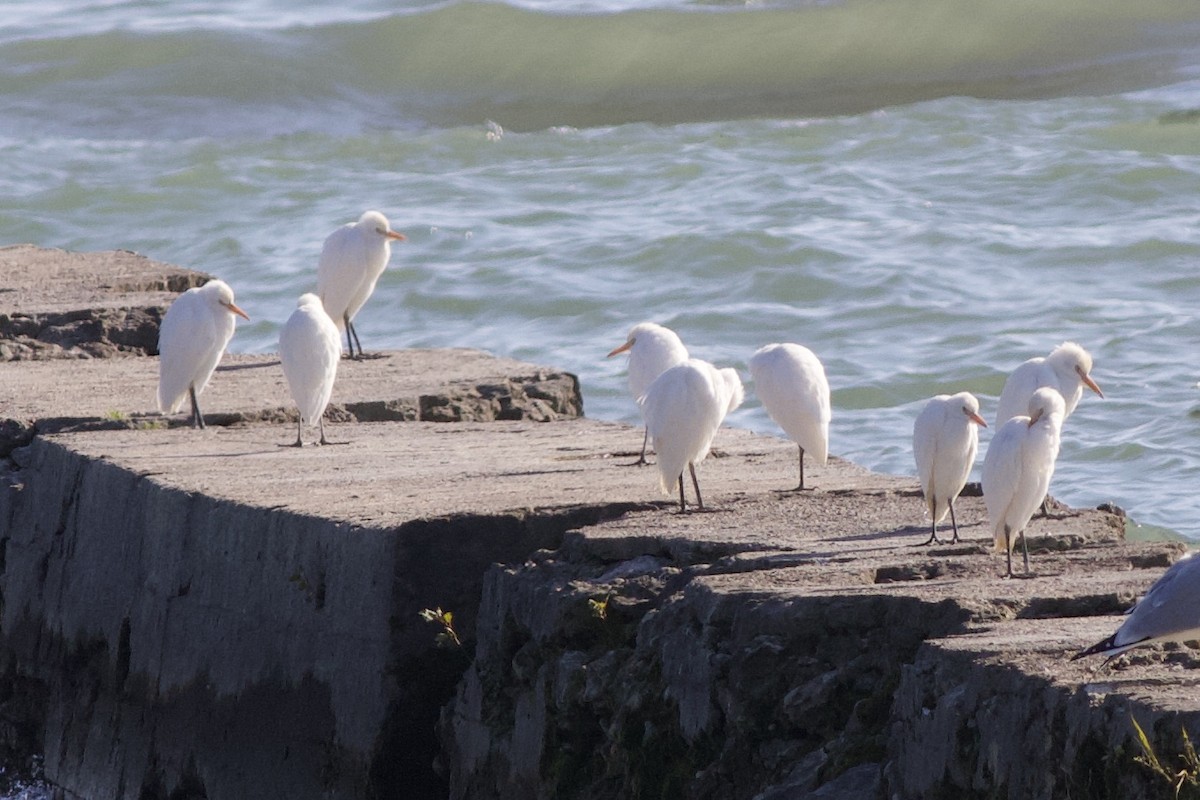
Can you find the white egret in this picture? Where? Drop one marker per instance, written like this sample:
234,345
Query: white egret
1169,612
191,340
352,259
945,441
1068,369
309,349
1017,469
652,350
684,407
790,382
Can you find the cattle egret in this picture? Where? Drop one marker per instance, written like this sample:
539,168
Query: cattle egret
1068,369
652,350
1169,612
193,336
945,441
309,349
790,382
1017,469
352,259
684,407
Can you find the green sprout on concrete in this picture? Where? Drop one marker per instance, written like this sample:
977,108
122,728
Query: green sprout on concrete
448,636
1188,776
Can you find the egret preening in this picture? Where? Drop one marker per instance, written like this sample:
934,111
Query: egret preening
652,350
352,259
790,382
309,349
945,441
1068,369
684,407
191,340
1169,612
1017,469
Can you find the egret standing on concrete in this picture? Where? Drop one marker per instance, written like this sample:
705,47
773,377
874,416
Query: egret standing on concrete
1170,612
309,349
1017,469
1067,369
945,441
352,259
684,407
790,382
652,350
191,340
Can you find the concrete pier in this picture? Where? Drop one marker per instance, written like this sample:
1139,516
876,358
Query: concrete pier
210,614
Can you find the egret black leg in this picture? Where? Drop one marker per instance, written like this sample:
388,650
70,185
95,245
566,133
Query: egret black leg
350,328
349,331
682,501
932,533
299,432
695,485
321,425
197,417
800,488
953,523
1008,548
641,462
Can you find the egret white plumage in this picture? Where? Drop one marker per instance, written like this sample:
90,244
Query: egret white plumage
790,381
652,350
352,259
945,441
1169,612
191,340
1068,369
1017,469
684,407
309,349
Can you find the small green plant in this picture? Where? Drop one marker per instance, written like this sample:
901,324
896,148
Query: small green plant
114,415
1188,776
600,607
448,636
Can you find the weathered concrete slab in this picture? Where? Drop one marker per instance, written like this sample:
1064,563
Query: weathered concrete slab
55,303
452,384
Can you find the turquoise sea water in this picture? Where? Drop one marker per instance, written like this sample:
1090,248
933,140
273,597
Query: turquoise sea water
924,192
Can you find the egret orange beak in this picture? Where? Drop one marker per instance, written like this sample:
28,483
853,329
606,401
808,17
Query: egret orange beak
1091,384
391,234
978,420
1033,419
618,350
235,310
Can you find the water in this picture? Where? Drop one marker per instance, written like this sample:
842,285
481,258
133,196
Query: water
924,192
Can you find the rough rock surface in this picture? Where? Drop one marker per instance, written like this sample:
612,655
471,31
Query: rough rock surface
799,645
57,304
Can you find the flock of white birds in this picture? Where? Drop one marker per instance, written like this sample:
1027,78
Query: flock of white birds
684,401
199,324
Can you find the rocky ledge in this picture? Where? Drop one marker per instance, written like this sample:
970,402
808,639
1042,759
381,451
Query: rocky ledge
207,614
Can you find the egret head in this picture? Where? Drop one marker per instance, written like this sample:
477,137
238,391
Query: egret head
220,294
1071,359
1045,401
970,408
377,222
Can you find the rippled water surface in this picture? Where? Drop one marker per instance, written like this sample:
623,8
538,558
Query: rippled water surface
923,197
